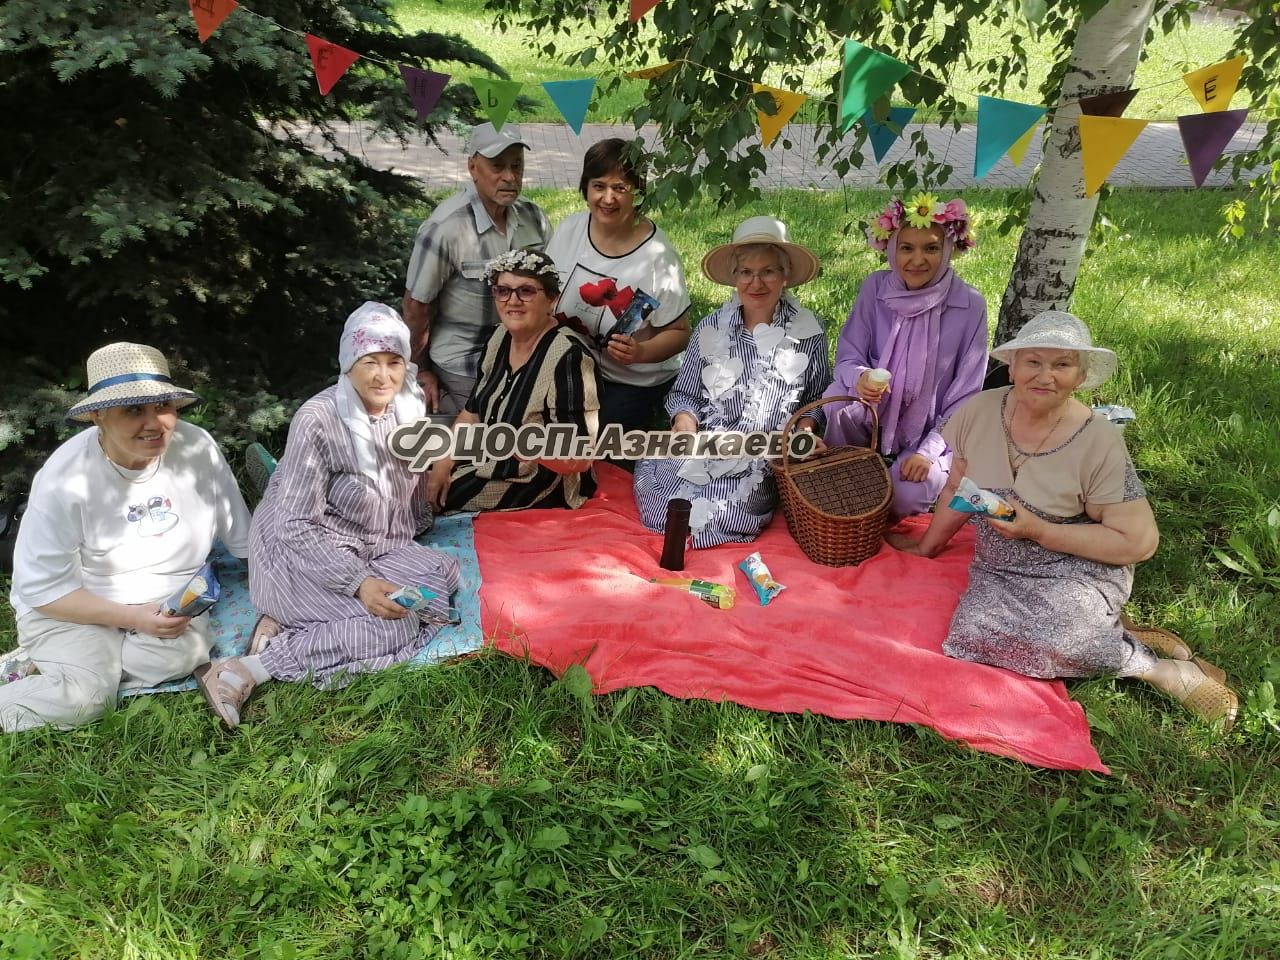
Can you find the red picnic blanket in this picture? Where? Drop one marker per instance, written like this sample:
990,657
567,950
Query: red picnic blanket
562,587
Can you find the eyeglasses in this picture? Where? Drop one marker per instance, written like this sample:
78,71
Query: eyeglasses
525,292
768,275
621,187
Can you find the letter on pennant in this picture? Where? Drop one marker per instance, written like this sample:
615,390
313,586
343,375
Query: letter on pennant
330,62
1213,87
1103,142
425,87
496,97
786,104
209,15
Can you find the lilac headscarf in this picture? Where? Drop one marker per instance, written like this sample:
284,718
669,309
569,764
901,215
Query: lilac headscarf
911,350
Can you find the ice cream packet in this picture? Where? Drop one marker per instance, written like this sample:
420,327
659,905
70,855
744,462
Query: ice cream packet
761,579
200,593
420,600
971,498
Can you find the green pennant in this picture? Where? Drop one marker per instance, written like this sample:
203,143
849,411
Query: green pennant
866,75
496,97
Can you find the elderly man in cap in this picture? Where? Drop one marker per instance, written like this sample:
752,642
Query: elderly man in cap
447,304
120,517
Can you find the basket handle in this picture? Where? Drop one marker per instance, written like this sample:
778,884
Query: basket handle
795,418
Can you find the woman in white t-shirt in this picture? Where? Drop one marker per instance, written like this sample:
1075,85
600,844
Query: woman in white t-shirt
120,517
623,288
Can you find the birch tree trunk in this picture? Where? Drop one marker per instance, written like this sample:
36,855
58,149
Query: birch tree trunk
1103,60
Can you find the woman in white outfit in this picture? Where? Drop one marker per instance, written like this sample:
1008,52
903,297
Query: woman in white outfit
119,518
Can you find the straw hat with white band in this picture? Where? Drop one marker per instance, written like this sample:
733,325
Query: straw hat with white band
1058,330
718,263
124,374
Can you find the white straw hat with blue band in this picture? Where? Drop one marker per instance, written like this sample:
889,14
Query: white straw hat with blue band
124,374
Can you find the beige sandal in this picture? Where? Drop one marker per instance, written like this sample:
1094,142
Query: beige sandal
1211,700
1172,646
219,694
265,628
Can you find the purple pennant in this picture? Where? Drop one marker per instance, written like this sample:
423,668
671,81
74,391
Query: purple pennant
1205,136
1107,104
425,87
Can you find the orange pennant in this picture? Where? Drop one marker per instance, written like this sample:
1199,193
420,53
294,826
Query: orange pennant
330,61
640,7
209,15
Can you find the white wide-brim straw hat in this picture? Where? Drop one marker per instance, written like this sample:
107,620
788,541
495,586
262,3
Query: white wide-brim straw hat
1059,330
718,263
122,374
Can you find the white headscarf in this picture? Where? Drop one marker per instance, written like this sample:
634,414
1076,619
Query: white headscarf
374,328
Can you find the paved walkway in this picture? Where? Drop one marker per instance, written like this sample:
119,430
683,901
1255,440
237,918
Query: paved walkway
1156,159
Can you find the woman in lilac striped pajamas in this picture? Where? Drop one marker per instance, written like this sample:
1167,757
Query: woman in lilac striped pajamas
334,534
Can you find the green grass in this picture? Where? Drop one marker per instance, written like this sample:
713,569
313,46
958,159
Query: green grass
1163,95
484,809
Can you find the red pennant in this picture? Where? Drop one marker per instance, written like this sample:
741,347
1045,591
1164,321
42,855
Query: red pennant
330,61
640,7
209,15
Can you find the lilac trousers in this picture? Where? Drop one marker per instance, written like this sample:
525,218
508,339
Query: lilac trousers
846,427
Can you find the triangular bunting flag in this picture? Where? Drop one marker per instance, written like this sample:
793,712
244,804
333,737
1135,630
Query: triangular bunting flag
1205,136
883,134
866,75
651,73
640,7
786,104
209,15
1107,104
1018,152
1103,142
330,61
1213,87
425,87
571,97
496,97
1001,123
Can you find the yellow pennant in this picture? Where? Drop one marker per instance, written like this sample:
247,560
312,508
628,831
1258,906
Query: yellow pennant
1018,152
786,102
1103,142
651,73
1213,87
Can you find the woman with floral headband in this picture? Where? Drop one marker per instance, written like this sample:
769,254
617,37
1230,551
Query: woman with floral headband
928,328
534,371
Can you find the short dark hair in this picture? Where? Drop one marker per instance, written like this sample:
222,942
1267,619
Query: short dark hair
613,154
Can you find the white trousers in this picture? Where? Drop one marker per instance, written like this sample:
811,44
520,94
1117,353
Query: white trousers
83,668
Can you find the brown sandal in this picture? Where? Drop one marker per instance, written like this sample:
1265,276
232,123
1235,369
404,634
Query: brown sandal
219,694
1172,646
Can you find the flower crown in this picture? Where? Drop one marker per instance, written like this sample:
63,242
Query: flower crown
922,211
521,261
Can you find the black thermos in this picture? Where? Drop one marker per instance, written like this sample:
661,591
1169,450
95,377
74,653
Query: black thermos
677,534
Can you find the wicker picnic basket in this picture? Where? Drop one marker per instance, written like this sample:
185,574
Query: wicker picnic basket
836,505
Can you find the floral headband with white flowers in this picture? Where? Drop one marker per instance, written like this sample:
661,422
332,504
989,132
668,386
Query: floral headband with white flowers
521,261
922,211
